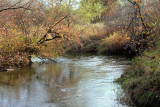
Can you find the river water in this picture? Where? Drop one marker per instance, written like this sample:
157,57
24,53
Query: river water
73,81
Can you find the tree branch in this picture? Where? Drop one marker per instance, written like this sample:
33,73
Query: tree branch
60,20
139,11
131,1
49,39
13,7
130,23
43,39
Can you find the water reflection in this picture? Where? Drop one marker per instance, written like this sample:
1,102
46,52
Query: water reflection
75,81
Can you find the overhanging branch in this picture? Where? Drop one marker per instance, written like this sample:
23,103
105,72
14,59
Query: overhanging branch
49,39
14,6
57,35
131,1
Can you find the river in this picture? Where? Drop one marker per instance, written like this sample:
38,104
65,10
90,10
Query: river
72,81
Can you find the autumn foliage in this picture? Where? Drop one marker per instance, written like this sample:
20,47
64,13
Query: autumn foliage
50,29
21,29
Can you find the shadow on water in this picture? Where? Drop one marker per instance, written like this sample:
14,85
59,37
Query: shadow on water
74,81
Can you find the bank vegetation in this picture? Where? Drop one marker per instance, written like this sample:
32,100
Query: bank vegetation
48,29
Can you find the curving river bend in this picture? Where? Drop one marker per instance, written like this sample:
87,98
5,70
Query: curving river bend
74,81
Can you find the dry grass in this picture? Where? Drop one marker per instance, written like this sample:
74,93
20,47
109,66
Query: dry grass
114,43
94,30
91,35
95,38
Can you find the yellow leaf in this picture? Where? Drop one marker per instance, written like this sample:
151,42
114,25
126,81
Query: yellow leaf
128,38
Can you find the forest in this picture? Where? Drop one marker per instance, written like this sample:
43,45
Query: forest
48,29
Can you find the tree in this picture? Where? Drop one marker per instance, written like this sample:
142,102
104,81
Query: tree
34,28
91,11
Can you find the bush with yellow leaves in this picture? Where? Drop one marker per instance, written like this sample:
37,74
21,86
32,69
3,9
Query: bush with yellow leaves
114,43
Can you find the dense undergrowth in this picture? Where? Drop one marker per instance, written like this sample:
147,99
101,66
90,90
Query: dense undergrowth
30,28
141,80
16,50
97,39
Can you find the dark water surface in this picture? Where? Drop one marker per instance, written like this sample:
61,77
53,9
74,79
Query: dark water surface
74,81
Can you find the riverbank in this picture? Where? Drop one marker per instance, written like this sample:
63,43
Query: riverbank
96,38
100,40
141,80
13,62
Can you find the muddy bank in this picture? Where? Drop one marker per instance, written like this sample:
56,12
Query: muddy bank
11,63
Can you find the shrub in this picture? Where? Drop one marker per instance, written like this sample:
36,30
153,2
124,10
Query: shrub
90,38
141,80
114,43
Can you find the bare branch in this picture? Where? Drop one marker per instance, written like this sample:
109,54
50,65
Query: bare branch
16,4
60,20
10,8
49,39
130,1
43,39
130,23
13,7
